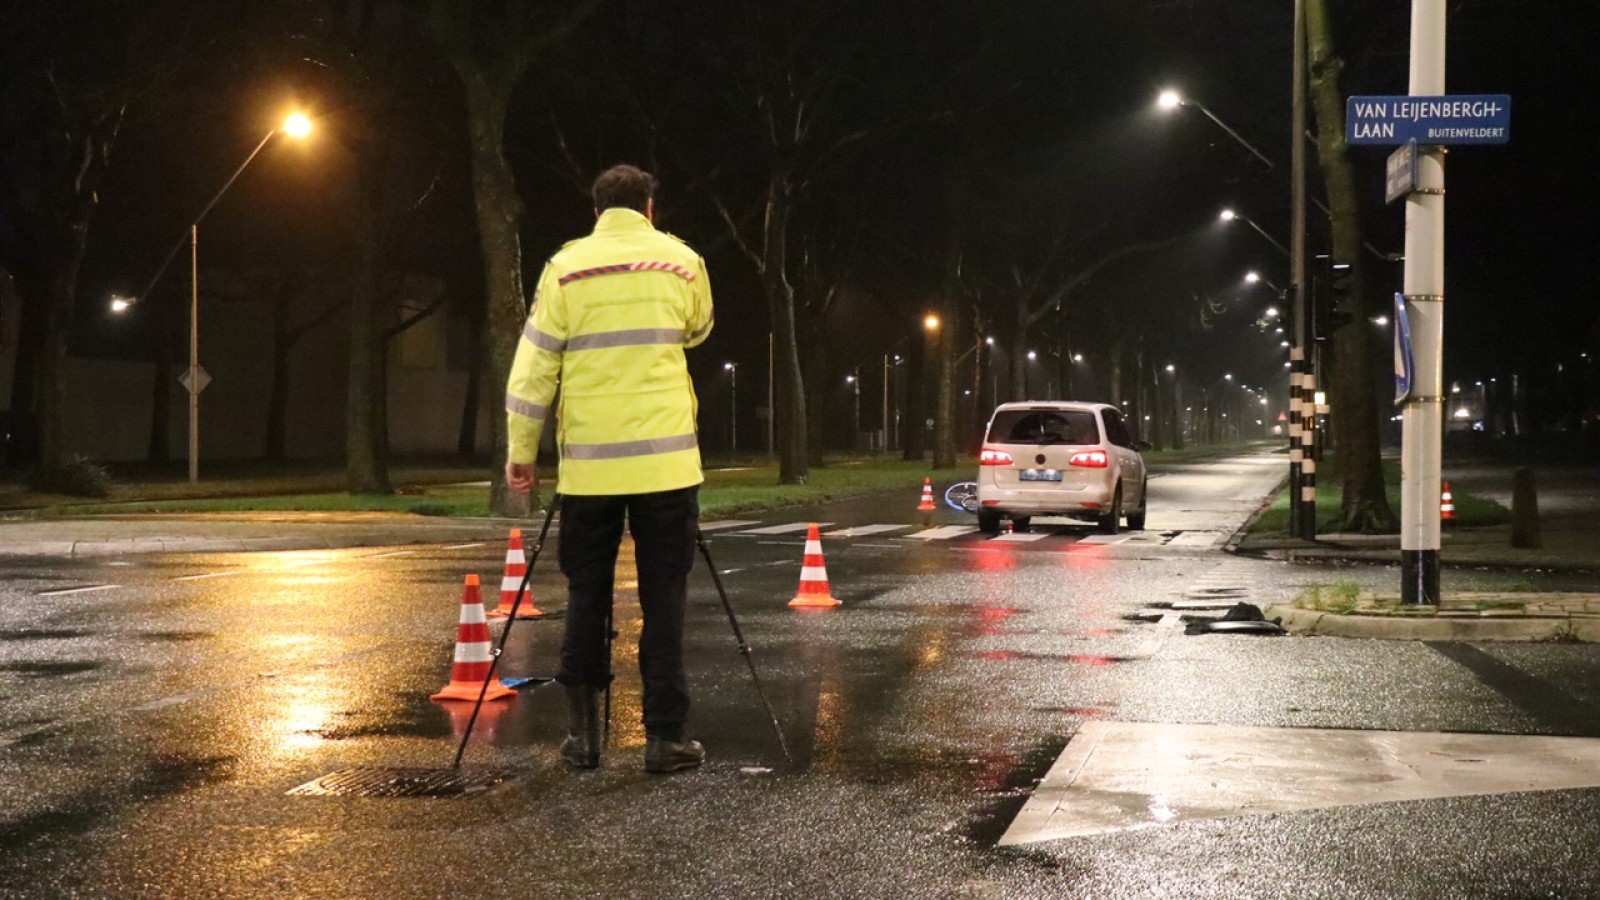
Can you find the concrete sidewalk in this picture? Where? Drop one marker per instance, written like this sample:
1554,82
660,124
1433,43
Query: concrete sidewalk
92,536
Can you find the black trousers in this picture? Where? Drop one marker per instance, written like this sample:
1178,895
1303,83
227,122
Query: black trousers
663,526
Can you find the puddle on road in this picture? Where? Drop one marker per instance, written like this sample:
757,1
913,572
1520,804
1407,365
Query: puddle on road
991,820
46,669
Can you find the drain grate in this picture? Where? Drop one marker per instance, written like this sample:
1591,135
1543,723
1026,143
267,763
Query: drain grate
383,782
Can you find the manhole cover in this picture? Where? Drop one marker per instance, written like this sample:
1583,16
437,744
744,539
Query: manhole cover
377,782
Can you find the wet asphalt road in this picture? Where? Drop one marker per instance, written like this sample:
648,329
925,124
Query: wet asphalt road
150,727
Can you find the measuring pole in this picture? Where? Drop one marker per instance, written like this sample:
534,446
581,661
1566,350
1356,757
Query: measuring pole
1422,416
194,350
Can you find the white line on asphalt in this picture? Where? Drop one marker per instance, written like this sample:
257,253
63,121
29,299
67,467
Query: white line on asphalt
727,523
879,546
163,703
1021,537
861,530
208,575
390,553
77,590
790,528
730,571
462,546
1105,539
942,533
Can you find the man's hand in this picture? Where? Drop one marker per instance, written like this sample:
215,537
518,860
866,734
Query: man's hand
521,477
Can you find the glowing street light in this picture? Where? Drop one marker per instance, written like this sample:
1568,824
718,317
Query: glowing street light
930,322
297,126
733,405
120,304
1170,100
1077,357
1229,215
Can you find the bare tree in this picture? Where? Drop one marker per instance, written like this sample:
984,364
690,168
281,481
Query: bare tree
491,44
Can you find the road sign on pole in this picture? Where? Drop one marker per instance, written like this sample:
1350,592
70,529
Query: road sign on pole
1405,359
1400,172
194,380
1430,121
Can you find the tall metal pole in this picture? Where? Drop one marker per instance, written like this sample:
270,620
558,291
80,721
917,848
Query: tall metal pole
1300,463
885,437
1422,418
194,351
733,408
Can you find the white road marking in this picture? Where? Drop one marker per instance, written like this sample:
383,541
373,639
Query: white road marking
727,523
77,590
1021,537
1115,776
790,528
1107,539
462,546
861,530
205,575
389,554
1196,539
942,533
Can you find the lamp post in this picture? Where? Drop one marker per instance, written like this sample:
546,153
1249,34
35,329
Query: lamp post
1171,99
854,380
733,405
195,379
1229,215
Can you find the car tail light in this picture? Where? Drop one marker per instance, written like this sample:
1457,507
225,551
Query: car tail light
1090,459
996,458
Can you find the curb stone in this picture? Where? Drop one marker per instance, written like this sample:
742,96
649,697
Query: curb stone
1494,628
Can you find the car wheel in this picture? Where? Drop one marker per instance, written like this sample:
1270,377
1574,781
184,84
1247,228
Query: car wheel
988,521
1110,522
1136,520
1020,524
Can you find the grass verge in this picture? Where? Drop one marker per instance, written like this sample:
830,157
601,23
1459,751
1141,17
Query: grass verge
1471,511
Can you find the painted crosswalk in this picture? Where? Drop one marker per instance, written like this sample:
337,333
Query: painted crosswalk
1043,534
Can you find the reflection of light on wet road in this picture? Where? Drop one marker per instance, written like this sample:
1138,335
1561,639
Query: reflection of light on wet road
303,718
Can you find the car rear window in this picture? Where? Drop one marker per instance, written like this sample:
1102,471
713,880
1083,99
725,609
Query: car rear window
1043,426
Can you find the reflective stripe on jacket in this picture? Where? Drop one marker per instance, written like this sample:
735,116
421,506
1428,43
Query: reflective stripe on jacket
611,318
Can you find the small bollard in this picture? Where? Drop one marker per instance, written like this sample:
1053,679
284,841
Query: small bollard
1524,510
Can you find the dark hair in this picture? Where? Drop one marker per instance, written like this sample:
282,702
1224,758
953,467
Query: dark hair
626,186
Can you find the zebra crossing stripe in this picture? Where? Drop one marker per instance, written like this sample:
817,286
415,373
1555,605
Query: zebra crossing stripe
942,533
863,530
791,528
1021,537
1106,539
727,523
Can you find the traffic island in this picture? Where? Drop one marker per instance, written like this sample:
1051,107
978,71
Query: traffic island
1469,616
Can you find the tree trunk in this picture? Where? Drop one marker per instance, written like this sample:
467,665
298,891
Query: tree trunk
366,469
790,385
1019,350
944,449
499,211
1353,393
467,437
913,435
819,398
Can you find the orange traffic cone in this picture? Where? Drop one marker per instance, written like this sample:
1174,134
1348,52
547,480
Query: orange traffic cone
813,575
472,658
1447,504
927,496
516,569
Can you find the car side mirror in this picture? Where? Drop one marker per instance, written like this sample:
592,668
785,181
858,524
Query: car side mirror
1143,446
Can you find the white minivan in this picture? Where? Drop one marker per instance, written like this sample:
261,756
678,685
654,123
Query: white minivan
1055,458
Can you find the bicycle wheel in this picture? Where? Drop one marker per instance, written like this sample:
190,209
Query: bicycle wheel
962,496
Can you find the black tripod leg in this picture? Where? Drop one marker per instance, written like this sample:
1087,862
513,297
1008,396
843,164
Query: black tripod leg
494,658
744,646
611,635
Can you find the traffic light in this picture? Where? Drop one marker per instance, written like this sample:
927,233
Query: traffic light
1337,280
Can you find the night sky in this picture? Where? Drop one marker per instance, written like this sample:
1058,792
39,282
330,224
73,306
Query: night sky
1000,126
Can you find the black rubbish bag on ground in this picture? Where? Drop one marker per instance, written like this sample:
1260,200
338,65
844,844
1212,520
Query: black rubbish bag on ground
1242,618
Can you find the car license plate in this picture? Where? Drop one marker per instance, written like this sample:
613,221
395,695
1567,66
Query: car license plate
1041,475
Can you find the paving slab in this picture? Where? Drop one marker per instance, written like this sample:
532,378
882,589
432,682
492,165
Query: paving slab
1116,776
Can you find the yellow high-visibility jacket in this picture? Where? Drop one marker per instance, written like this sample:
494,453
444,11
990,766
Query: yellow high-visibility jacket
611,319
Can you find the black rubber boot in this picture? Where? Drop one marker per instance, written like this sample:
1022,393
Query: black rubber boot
581,749
666,755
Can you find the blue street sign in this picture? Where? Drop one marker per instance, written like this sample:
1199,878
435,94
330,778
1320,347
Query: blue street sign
1430,121
1405,361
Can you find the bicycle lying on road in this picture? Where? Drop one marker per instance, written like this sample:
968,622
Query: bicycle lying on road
962,496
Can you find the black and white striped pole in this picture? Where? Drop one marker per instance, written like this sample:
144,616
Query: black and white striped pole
1300,524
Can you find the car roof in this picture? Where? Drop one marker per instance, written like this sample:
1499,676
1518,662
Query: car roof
1053,404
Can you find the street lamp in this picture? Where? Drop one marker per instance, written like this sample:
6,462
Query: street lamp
297,126
930,322
1171,99
855,414
1229,214
120,304
733,405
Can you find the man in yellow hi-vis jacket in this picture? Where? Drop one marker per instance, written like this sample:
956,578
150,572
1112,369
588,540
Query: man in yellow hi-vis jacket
611,318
